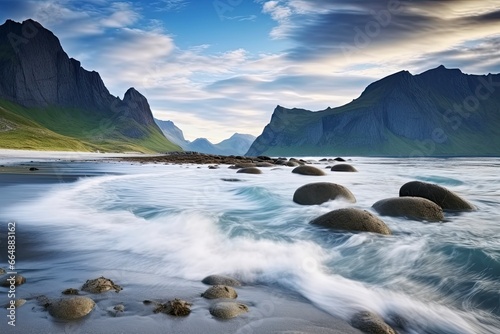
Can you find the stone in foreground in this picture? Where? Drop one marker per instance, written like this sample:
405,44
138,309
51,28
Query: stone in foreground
443,197
100,285
228,310
220,291
352,220
308,170
411,207
371,323
221,280
176,307
71,308
321,192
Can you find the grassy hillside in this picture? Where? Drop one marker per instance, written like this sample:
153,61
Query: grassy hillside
73,130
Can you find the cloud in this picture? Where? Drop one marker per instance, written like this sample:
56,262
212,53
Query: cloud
170,5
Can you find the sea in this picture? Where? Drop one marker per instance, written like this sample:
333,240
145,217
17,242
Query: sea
184,222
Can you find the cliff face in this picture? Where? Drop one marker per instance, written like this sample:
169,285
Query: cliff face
439,112
37,74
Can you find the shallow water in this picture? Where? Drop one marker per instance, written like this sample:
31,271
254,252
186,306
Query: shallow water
184,223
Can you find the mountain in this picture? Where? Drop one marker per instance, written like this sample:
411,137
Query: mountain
48,101
441,112
237,144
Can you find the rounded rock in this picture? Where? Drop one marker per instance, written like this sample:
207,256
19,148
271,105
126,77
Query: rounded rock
176,307
71,308
308,170
220,291
320,192
343,168
411,207
250,170
371,323
352,220
18,280
443,197
221,280
228,310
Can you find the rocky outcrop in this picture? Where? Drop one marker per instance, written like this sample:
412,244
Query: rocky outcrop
36,73
352,220
443,197
411,207
436,113
320,192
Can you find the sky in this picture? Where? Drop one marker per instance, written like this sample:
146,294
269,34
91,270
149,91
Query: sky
216,67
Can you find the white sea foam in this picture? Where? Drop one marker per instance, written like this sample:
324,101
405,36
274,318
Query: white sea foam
188,223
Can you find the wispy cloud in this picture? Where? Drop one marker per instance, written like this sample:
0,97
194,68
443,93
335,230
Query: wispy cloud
170,5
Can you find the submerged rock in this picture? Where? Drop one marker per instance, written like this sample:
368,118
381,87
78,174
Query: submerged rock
221,280
320,192
308,170
343,168
352,220
443,197
100,285
71,308
228,310
71,291
15,280
412,207
176,307
371,323
220,291
250,170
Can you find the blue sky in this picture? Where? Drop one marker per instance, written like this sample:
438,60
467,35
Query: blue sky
216,67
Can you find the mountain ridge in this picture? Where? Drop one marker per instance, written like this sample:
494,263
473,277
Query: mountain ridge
53,89
237,144
393,116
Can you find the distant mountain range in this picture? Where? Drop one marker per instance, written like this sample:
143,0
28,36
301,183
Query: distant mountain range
441,112
49,102
237,144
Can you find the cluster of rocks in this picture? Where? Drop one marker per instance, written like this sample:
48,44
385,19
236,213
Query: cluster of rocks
77,306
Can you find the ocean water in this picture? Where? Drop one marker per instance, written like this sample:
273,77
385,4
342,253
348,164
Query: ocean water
182,223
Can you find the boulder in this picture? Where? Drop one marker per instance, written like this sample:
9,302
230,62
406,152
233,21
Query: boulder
13,280
320,192
220,291
343,168
443,197
249,170
71,308
228,310
17,303
220,280
264,164
100,285
352,220
176,307
308,170
339,159
411,207
371,323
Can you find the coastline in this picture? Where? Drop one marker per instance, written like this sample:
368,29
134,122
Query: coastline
272,309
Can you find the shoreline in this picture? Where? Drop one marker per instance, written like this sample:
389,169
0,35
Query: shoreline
271,309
